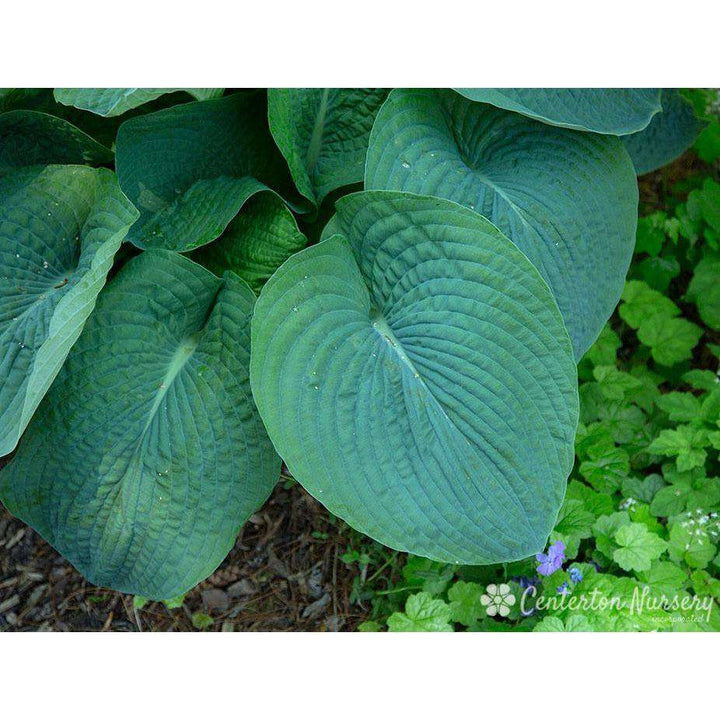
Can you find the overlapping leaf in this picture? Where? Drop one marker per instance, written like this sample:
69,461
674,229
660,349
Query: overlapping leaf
109,102
612,111
34,138
60,227
189,169
568,200
669,134
415,375
323,134
148,454
256,242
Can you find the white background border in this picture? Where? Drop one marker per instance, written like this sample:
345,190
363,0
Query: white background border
364,676
392,43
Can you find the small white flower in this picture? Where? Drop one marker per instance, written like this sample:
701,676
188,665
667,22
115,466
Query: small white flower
497,600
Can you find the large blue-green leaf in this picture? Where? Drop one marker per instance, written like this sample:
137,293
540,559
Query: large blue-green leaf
415,375
36,138
323,134
257,242
568,200
667,137
611,111
148,454
60,227
109,102
190,169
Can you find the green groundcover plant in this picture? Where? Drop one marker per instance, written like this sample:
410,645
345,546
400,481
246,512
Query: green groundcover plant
401,295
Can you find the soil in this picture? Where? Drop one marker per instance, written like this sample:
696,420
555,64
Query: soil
279,576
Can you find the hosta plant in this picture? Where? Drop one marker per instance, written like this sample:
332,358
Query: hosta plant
388,291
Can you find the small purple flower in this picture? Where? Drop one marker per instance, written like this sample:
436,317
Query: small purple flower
563,589
575,575
553,560
526,582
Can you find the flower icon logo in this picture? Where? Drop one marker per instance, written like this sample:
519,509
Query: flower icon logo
497,600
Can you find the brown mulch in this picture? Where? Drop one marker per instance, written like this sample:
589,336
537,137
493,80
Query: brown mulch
284,573
656,187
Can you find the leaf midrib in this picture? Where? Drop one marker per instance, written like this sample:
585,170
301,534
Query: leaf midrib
313,151
181,356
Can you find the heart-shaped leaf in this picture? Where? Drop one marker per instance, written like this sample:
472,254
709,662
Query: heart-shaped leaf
147,454
568,200
612,111
256,243
60,228
669,134
415,375
189,169
323,134
109,102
